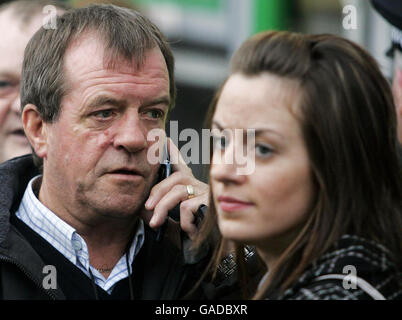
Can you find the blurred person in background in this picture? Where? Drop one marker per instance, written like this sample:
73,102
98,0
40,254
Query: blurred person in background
324,200
19,20
392,12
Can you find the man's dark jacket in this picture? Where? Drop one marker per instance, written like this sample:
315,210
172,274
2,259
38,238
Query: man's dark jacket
166,274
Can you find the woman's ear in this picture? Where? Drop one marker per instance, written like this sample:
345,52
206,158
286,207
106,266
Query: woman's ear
35,130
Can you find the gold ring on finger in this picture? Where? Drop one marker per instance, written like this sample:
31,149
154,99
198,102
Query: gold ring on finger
190,191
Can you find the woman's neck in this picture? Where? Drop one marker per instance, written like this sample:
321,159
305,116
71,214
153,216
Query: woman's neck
270,250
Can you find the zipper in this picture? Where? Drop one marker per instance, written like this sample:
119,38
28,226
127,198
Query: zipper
29,275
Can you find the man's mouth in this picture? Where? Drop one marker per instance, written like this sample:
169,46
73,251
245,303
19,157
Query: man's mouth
126,173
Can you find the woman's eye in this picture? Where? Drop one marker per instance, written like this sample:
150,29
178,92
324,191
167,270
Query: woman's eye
220,142
263,151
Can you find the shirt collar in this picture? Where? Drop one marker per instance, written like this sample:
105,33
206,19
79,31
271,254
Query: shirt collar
47,224
61,235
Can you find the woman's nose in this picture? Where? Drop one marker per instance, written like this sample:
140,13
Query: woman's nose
224,167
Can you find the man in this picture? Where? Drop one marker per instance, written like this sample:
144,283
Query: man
18,21
92,90
392,12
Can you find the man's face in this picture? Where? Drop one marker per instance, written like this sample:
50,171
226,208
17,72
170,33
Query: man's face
96,159
14,36
397,90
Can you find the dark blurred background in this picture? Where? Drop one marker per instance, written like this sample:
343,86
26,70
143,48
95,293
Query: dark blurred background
205,33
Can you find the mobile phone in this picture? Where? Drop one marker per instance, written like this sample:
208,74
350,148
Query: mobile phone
165,168
164,171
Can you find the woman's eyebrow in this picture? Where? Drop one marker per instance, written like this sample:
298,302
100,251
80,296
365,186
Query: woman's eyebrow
258,131
217,125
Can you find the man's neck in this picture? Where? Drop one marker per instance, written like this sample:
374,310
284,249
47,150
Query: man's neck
105,252
107,238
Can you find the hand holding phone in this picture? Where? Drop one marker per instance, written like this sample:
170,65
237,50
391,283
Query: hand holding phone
170,196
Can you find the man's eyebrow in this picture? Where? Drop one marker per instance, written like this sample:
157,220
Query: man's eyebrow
165,100
103,100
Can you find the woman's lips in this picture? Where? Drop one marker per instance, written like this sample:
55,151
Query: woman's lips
230,204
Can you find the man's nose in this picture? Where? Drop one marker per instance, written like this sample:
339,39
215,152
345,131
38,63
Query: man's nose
130,134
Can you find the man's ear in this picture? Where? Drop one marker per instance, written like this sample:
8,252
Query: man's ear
35,129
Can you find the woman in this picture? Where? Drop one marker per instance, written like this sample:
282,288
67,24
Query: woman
322,205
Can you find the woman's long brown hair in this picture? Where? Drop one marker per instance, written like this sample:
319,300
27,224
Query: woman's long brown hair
348,122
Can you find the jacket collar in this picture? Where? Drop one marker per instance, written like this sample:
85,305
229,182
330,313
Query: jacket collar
14,175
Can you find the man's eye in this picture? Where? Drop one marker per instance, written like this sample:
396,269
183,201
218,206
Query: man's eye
154,114
263,151
103,114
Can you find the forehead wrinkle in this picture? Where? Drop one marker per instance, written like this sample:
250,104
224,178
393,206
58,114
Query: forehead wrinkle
108,61
99,76
116,79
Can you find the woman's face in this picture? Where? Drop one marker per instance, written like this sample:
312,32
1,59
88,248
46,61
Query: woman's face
268,206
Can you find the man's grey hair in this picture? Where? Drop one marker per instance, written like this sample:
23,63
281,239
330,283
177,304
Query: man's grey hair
126,35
